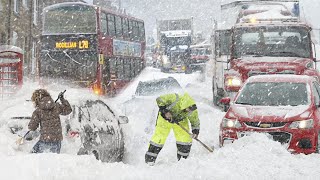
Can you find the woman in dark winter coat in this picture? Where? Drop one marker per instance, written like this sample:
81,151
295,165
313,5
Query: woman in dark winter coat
47,117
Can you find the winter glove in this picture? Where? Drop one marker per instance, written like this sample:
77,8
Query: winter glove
195,133
60,96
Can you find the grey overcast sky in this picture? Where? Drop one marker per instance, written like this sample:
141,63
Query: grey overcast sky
203,11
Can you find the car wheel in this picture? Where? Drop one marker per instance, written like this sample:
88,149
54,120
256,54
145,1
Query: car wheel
188,70
216,98
121,150
96,154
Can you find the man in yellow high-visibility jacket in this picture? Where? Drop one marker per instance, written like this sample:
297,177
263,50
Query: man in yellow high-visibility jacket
173,109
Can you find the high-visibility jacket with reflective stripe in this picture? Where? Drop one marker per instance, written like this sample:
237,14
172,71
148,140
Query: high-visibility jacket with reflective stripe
177,104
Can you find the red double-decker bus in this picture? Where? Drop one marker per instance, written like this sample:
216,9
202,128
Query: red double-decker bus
91,46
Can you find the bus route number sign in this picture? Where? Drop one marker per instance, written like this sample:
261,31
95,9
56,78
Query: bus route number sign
84,44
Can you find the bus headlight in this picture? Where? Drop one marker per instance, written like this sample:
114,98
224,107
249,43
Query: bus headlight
233,81
305,124
230,123
165,59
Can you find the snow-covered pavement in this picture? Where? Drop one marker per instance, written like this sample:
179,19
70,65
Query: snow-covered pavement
252,157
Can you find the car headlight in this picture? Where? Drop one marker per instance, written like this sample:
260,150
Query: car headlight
309,65
230,123
233,81
305,124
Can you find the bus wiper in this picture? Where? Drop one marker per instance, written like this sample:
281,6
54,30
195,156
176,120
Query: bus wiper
252,53
283,54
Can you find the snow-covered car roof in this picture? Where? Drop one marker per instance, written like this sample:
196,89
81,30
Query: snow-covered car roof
281,78
158,86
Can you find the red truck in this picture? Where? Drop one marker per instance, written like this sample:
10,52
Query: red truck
265,38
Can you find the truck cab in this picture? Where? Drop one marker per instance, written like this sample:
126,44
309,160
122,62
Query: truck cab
267,38
174,41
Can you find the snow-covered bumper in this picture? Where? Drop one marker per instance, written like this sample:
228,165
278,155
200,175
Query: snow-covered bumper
296,140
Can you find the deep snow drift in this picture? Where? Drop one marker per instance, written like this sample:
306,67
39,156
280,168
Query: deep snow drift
253,157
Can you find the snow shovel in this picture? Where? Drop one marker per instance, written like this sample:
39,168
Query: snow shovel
21,139
204,145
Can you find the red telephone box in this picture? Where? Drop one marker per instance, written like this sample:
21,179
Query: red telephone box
11,69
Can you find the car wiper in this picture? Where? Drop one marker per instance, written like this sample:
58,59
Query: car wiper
243,103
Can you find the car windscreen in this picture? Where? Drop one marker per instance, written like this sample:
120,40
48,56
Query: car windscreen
273,94
157,87
279,41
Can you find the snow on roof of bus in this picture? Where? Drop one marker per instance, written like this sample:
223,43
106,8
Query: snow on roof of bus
7,48
64,4
89,5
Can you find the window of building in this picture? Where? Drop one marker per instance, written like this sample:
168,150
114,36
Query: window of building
104,26
33,57
25,4
3,38
14,38
16,5
35,12
111,25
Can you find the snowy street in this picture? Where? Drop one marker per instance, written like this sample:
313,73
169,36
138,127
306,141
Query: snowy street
253,157
159,90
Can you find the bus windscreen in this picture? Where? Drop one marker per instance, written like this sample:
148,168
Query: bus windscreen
70,20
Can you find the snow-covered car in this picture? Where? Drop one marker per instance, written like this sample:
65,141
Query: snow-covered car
98,126
284,107
143,103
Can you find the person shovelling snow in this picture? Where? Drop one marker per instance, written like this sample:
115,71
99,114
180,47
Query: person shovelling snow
47,116
175,112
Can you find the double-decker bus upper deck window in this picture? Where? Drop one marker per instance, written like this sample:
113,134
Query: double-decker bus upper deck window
104,26
130,29
111,25
141,31
135,31
125,27
118,26
70,19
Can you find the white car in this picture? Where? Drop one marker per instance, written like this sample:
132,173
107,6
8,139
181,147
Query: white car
142,108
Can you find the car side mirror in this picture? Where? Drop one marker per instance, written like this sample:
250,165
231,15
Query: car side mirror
225,101
123,120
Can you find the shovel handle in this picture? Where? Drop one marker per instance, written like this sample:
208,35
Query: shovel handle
26,134
204,145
